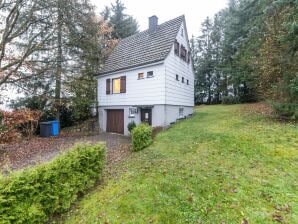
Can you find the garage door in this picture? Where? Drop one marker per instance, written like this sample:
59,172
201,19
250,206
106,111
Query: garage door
115,121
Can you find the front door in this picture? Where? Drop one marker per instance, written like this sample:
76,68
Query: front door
146,116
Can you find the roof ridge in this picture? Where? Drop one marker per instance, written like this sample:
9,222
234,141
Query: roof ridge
162,24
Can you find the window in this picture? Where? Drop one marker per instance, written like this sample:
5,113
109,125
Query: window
181,32
133,111
116,85
150,74
141,75
183,53
176,47
181,112
177,77
182,79
188,57
187,82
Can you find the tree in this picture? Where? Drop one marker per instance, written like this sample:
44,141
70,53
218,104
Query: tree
123,25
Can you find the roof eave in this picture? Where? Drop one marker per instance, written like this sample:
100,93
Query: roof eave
159,61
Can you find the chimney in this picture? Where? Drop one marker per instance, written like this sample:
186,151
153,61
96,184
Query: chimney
153,22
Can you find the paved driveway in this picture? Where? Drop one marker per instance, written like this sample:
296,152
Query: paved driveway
31,152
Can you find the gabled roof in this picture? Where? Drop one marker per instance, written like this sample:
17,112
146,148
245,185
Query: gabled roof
144,47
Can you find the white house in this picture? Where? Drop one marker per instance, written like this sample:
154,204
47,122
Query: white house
148,77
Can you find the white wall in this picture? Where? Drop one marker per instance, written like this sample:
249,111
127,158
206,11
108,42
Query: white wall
147,91
178,93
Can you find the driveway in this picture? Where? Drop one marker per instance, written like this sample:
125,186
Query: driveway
36,150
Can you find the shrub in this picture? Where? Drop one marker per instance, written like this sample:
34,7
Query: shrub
131,125
141,137
17,123
33,195
287,111
230,100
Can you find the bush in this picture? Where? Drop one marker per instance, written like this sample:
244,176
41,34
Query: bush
286,110
230,100
33,195
141,137
131,125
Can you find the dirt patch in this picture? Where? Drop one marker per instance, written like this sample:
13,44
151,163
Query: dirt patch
258,108
36,150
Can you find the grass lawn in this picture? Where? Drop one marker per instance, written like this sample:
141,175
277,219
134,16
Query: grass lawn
220,166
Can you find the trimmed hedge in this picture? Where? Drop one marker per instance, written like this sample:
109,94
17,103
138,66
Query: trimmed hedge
141,137
34,194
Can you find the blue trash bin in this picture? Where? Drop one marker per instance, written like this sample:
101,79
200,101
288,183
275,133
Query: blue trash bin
55,128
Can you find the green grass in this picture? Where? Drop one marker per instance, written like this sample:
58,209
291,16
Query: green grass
220,166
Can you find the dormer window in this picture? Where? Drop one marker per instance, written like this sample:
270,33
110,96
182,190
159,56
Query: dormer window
183,53
176,47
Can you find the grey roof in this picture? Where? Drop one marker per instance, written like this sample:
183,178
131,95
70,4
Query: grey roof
144,47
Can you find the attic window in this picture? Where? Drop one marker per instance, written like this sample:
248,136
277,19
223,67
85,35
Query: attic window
141,75
183,53
177,77
176,47
150,74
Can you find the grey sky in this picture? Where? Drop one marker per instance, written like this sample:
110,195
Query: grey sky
195,11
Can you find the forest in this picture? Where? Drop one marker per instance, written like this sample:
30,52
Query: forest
247,53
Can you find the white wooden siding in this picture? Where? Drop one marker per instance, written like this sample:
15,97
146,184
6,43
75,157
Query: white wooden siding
178,93
147,91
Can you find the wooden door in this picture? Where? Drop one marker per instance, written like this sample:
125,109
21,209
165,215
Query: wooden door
115,121
146,116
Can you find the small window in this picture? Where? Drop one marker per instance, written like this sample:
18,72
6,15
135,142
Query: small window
177,77
176,47
150,74
182,32
181,112
188,57
182,80
116,85
187,82
133,111
141,75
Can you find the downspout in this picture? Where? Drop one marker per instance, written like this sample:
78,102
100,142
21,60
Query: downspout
165,107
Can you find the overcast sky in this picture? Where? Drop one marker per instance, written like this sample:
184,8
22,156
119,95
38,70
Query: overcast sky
195,11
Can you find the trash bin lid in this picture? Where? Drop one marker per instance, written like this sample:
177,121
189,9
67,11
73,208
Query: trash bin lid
45,122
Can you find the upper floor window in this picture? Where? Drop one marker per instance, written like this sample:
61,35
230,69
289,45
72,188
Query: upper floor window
183,53
188,57
141,75
176,47
150,74
116,85
187,82
182,79
177,77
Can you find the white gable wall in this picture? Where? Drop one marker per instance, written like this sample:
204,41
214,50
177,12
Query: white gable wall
178,93
147,91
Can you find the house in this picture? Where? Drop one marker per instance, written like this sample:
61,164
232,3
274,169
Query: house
148,77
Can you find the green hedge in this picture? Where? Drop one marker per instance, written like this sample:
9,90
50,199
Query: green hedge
34,194
141,137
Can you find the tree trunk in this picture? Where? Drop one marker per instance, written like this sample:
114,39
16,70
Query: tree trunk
59,63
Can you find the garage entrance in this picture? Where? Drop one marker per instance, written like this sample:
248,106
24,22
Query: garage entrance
115,121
